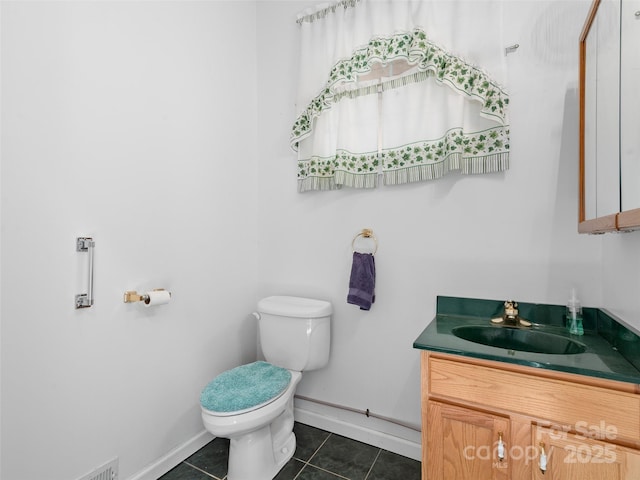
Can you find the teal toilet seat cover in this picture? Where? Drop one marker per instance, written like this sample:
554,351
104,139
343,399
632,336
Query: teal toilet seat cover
245,387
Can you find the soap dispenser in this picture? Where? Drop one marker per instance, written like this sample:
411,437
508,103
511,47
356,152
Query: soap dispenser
574,315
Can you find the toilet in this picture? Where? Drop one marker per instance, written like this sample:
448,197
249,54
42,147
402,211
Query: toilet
252,404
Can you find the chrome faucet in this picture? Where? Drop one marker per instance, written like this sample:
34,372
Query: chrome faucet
511,317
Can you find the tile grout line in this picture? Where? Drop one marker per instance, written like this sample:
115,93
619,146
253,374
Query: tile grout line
318,449
305,464
312,455
373,464
337,475
200,470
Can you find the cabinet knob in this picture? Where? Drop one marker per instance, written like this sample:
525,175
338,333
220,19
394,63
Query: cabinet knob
500,447
542,463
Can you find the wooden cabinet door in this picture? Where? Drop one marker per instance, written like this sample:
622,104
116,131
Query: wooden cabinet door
462,444
577,457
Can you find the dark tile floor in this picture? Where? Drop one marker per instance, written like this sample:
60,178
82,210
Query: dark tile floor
319,455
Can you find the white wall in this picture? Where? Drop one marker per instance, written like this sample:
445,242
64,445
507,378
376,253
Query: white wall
134,123
511,235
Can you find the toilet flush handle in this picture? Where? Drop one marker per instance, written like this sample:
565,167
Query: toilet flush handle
256,314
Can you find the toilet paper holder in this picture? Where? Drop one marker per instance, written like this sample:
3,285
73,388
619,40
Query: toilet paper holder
132,296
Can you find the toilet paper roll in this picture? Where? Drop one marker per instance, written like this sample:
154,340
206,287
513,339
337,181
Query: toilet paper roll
157,297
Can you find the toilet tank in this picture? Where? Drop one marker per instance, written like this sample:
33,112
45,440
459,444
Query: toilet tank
295,332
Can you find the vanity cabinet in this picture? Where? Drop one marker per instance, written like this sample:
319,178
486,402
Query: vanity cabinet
576,456
489,420
464,443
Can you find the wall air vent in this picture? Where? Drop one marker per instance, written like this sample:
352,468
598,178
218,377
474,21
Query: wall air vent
108,471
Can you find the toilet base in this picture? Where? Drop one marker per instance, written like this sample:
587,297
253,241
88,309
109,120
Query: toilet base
254,456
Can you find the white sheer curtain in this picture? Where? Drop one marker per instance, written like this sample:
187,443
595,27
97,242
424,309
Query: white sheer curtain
402,90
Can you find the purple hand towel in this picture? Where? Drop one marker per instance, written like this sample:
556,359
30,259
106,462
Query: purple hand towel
363,281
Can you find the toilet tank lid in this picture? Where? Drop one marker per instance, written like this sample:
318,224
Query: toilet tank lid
294,307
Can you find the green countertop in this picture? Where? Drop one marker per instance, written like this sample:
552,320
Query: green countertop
612,347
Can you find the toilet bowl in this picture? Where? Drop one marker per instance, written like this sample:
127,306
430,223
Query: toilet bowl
262,438
252,404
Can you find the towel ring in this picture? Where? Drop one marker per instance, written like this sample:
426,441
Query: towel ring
365,233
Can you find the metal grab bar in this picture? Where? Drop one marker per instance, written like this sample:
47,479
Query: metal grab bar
86,244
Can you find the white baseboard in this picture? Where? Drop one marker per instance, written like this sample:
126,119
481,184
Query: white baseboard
397,439
174,457
401,440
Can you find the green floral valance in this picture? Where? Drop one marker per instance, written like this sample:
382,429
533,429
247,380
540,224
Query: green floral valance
413,47
479,152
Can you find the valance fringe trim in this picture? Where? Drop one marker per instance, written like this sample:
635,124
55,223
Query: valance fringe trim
353,180
455,162
317,183
322,13
386,85
341,178
415,173
416,49
486,164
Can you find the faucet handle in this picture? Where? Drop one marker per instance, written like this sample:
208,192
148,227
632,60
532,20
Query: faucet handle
511,308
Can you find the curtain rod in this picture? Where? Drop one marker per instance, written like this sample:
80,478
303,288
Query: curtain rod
319,14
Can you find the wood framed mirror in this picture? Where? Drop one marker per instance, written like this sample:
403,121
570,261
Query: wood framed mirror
609,182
